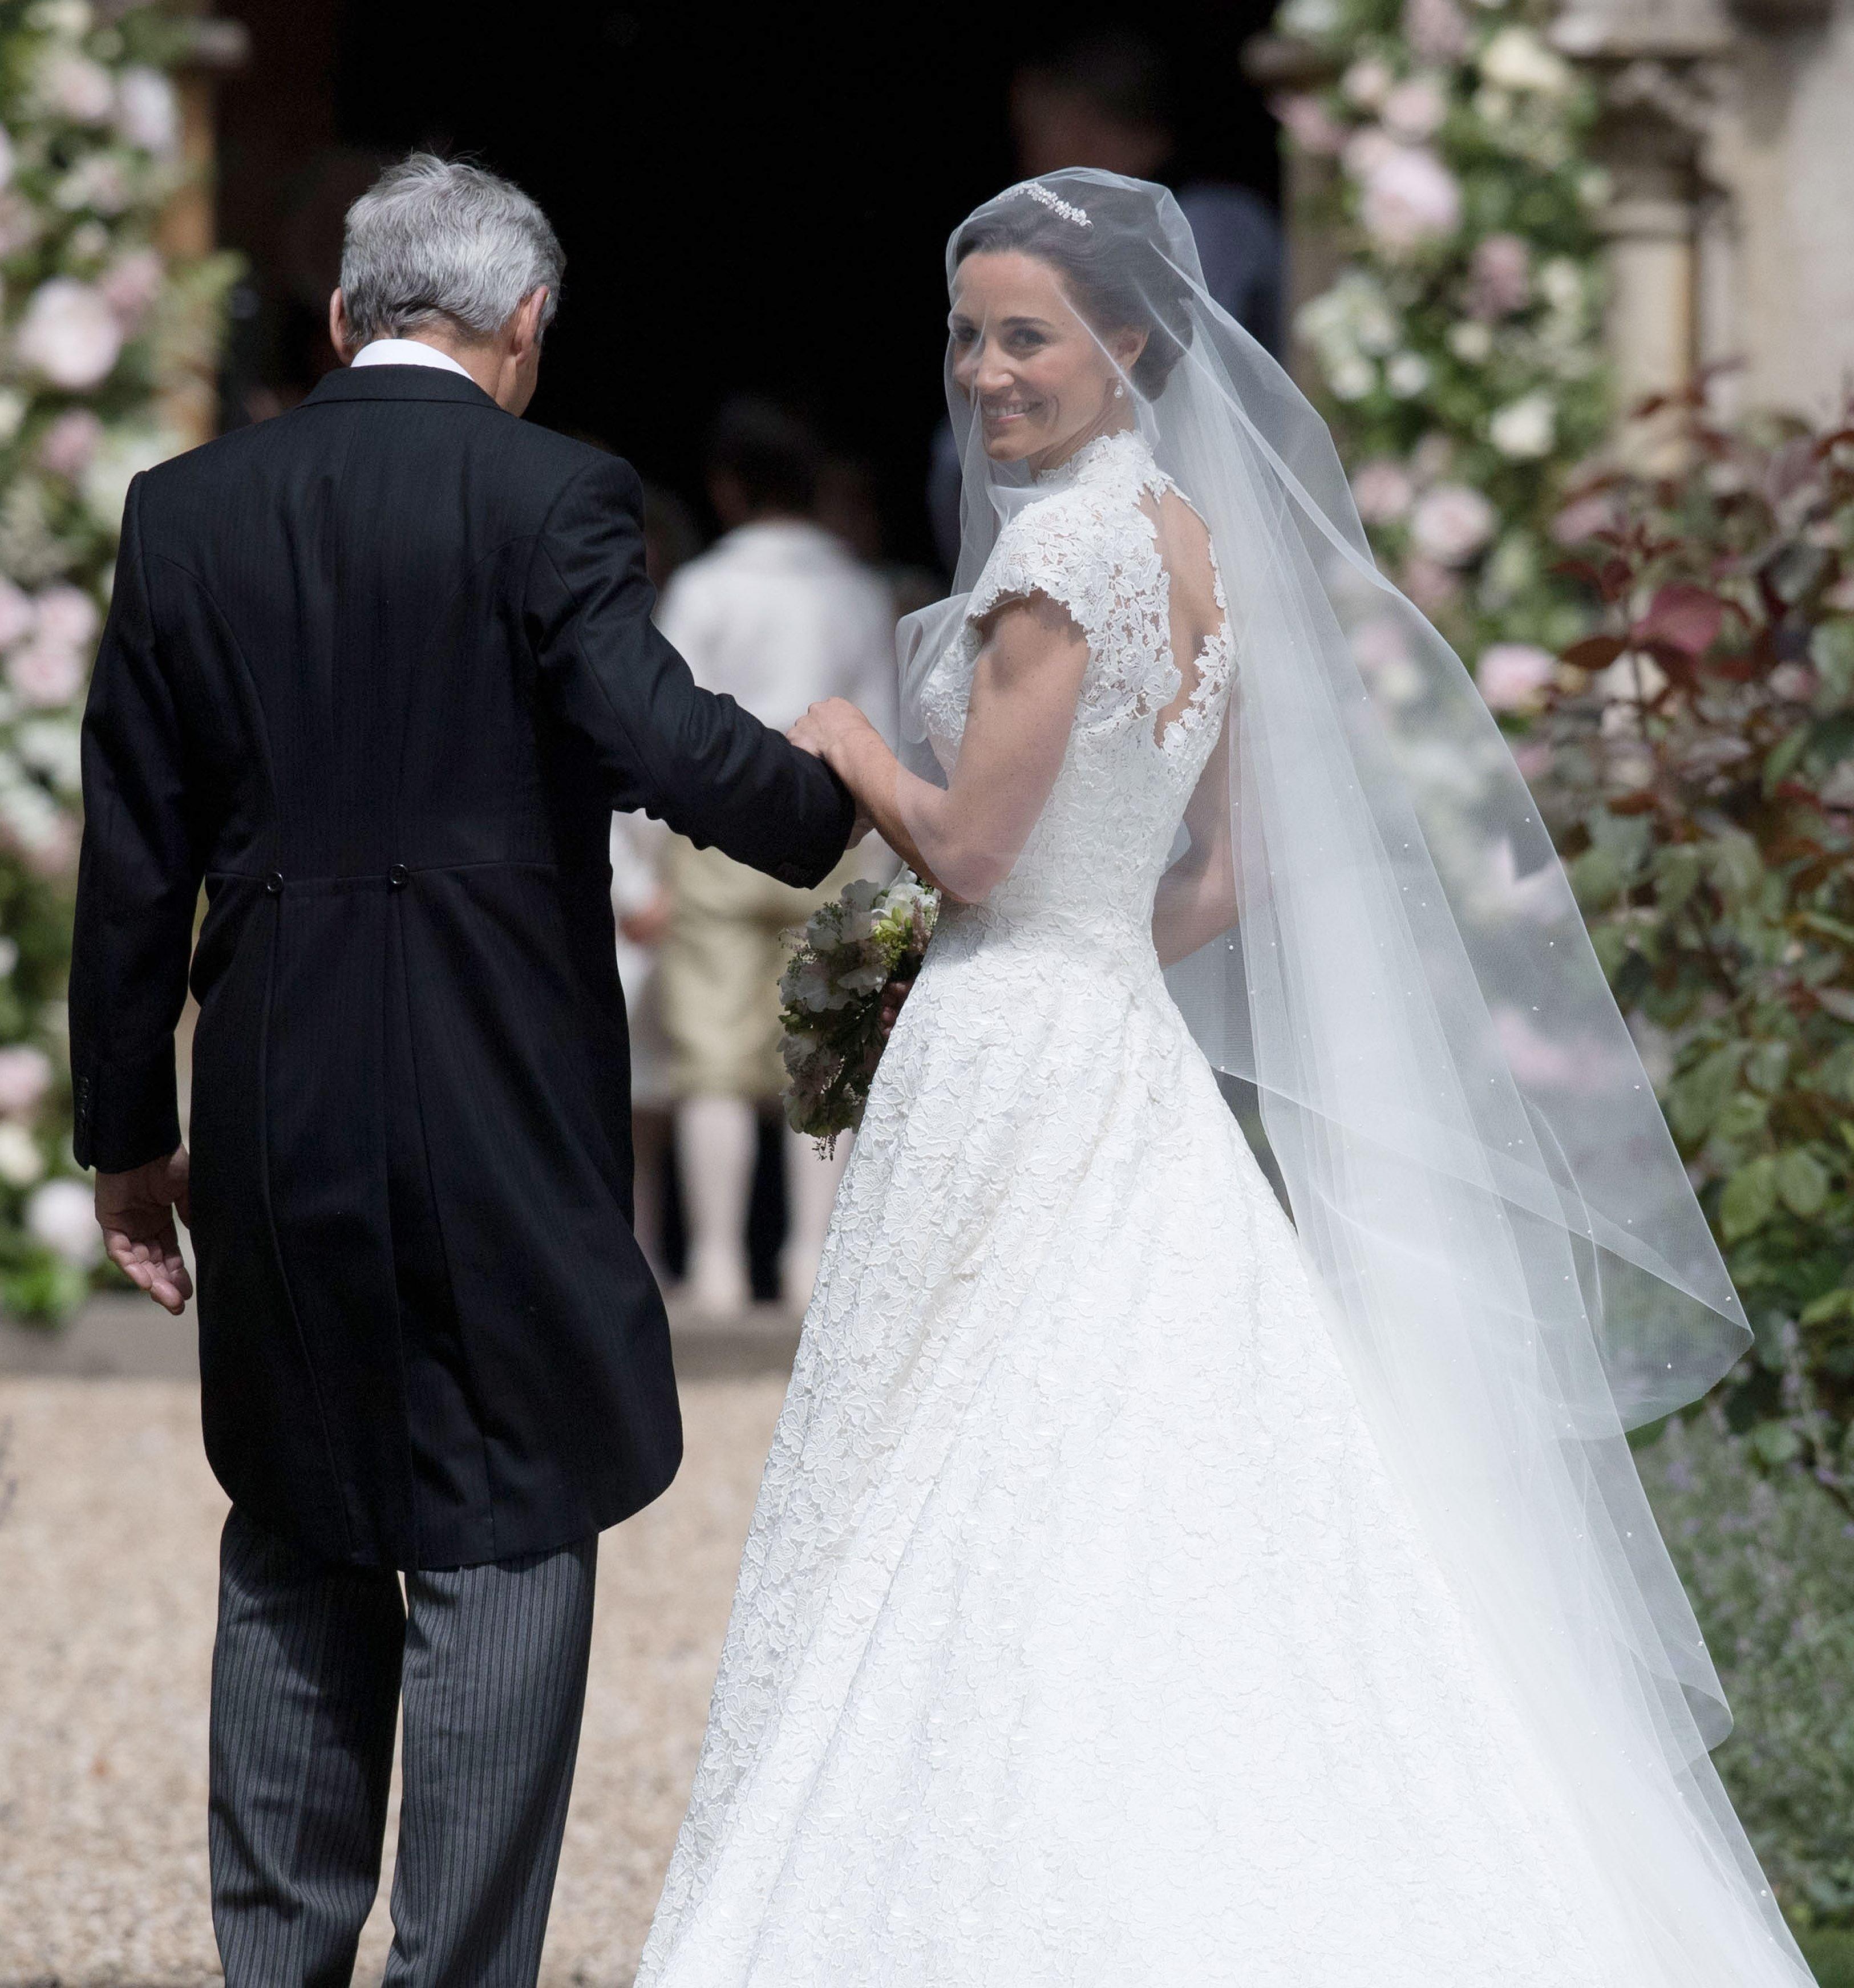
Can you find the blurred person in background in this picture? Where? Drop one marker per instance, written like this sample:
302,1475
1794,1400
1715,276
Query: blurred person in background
1105,99
640,909
779,614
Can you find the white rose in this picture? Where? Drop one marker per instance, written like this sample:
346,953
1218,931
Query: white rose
1516,59
100,184
62,1216
1381,651
71,86
26,1076
54,747
1351,379
1630,677
1525,429
120,457
1415,109
1471,341
1367,83
147,112
1511,674
1451,523
68,335
1407,375
21,1161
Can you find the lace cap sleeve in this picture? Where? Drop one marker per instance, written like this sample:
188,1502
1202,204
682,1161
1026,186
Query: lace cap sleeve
1052,547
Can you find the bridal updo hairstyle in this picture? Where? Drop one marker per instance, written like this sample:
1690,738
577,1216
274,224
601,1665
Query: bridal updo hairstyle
1116,274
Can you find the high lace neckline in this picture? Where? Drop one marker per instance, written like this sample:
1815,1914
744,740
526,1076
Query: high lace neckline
1103,452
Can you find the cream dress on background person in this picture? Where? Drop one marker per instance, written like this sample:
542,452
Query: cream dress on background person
1081,1637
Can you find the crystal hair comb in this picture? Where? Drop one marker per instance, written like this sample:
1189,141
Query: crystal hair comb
1038,191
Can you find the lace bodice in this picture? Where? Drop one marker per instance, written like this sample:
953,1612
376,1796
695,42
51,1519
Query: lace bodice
1087,539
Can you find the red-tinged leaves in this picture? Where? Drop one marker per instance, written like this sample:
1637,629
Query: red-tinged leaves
1687,618
1641,802
1594,652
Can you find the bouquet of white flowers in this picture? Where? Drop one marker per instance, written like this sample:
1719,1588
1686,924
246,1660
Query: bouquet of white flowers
848,951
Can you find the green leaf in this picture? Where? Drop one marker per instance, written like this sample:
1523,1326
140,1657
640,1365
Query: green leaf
1597,877
1803,1182
1765,1067
1697,1096
1782,759
1829,1307
1750,1199
1743,1116
1776,1443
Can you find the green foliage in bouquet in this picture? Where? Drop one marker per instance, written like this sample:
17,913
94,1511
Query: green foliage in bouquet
1696,762
95,322
1457,354
832,992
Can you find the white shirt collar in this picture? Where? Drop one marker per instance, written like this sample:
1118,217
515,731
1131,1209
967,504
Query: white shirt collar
405,351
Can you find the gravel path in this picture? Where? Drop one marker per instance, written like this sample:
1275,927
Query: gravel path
107,1569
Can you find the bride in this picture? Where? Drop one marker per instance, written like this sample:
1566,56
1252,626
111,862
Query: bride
1145,1587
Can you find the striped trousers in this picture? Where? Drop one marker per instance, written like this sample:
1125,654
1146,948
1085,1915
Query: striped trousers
311,1666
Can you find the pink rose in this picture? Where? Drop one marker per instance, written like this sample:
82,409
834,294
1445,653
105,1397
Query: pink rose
1309,124
26,1076
1436,30
1511,674
1382,491
1451,523
1582,519
1432,586
1415,110
1410,197
1367,149
1532,758
68,445
1500,277
69,335
68,616
131,284
44,674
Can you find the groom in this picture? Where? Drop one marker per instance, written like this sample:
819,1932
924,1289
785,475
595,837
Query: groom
378,672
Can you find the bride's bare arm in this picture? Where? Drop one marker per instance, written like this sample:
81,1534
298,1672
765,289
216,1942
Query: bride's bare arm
964,837
1197,898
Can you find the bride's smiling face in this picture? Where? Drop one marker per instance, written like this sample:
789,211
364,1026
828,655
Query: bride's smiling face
1040,381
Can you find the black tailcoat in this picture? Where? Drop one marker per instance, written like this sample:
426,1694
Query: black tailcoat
378,671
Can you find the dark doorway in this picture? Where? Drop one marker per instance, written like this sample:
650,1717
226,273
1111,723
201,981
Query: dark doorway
750,198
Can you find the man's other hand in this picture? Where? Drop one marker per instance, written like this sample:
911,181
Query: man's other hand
136,1211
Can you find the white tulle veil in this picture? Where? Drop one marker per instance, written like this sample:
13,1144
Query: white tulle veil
1514,1265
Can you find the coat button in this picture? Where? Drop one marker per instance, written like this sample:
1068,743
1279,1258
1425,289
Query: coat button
273,884
399,876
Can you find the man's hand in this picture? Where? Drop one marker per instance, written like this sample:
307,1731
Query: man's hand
136,1211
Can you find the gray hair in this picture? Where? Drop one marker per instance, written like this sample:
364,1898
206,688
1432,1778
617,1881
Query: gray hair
433,240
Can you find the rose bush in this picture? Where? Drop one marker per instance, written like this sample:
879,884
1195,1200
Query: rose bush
1695,758
1457,351
93,322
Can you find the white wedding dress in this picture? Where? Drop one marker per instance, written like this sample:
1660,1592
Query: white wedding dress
1081,1637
